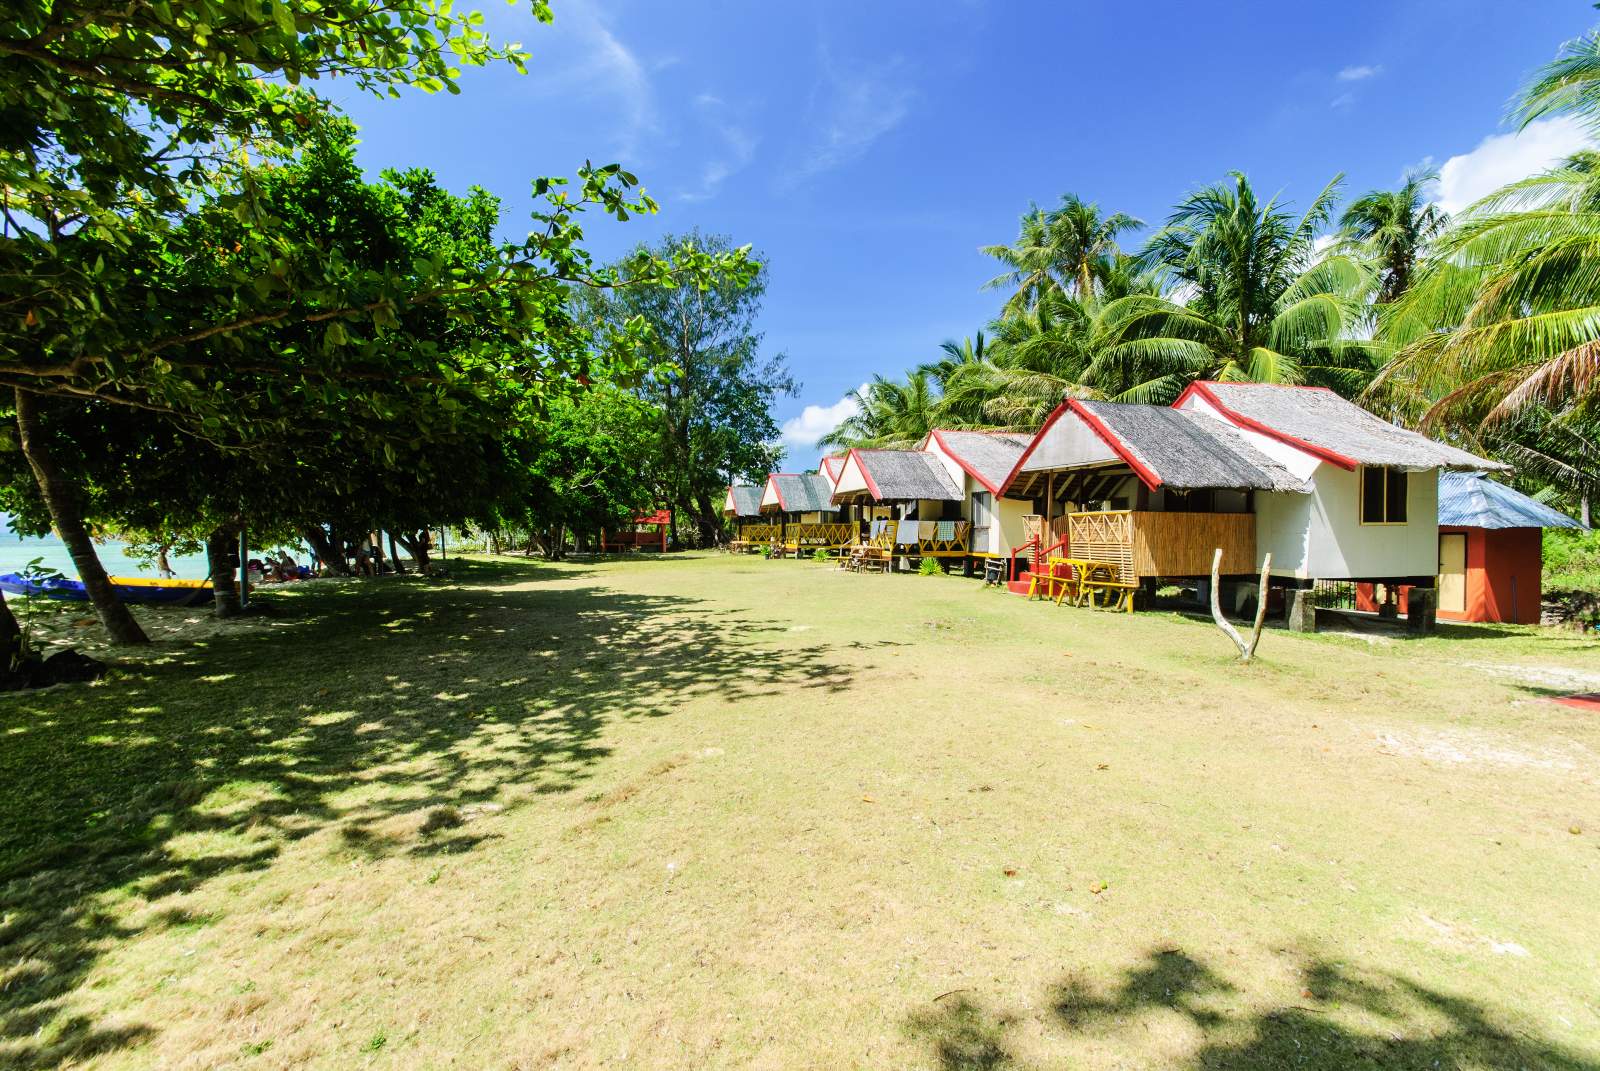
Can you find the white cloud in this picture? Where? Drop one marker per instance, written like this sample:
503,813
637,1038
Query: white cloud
849,111
738,147
1504,158
1359,73
1343,100
600,68
815,421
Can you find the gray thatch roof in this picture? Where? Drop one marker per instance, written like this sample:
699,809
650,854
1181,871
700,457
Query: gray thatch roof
1333,425
1472,500
989,456
746,500
1187,451
804,492
901,475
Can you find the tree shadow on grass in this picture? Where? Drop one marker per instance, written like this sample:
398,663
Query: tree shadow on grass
394,712
1403,1025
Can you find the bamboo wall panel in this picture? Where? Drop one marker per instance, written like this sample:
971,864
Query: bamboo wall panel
822,535
1182,544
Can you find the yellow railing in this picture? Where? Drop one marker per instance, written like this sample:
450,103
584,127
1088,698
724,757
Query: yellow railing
761,533
928,541
828,534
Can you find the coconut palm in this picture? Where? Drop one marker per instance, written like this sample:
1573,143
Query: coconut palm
1507,313
1567,85
1065,250
1037,358
1394,228
1085,242
888,414
1259,303
957,355
1031,261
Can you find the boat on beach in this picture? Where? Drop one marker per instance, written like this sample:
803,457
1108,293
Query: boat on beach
130,589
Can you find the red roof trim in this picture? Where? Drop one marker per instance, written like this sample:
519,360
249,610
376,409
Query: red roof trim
959,460
1202,388
1038,437
1118,447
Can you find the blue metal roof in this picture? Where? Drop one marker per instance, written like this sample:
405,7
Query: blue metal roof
1472,500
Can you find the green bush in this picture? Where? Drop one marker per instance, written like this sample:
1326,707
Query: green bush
819,555
766,551
930,567
1571,560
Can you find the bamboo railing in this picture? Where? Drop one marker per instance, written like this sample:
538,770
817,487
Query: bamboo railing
761,533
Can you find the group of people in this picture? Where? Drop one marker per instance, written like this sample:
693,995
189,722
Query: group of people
276,570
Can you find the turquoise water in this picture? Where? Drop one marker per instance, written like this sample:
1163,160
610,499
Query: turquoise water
16,552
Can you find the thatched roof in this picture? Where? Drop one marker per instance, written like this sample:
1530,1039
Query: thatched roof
1184,450
987,456
1325,425
1472,500
743,500
796,492
831,466
902,475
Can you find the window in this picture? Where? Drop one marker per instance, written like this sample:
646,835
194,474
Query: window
1383,495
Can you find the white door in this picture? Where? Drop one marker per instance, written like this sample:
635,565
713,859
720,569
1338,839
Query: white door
1453,572
982,522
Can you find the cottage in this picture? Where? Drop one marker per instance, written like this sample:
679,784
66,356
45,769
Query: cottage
908,500
1491,554
979,462
1329,489
801,504
742,506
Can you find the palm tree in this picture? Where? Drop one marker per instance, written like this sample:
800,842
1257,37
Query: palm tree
957,355
1260,305
1086,242
1506,315
1037,358
888,414
1567,85
1068,249
1031,261
1395,227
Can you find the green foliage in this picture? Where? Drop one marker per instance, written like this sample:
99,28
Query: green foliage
820,555
930,567
710,383
1572,560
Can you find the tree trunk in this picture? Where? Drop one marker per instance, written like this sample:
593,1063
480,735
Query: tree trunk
394,556
418,552
11,651
1583,511
706,518
66,514
327,549
222,560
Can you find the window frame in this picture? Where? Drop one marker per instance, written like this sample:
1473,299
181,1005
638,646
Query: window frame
1387,471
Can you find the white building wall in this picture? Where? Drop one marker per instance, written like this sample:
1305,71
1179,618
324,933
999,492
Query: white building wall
1010,531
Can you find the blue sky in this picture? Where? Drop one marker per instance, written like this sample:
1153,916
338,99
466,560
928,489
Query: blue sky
868,149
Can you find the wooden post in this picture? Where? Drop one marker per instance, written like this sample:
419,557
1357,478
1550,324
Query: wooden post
1247,650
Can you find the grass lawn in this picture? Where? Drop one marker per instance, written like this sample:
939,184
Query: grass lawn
715,812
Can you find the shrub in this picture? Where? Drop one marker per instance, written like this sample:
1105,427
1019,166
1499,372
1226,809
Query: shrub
819,555
930,567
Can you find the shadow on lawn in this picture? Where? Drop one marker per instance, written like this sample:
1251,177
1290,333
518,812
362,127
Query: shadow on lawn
1413,1027
359,706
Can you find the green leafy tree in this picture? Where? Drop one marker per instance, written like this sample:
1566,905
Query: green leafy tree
1067,250
712,387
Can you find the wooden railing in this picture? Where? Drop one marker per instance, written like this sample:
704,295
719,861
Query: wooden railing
761,533
1144,543
961,533
827,534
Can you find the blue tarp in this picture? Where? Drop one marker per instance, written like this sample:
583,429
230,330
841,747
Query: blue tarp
1472,500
